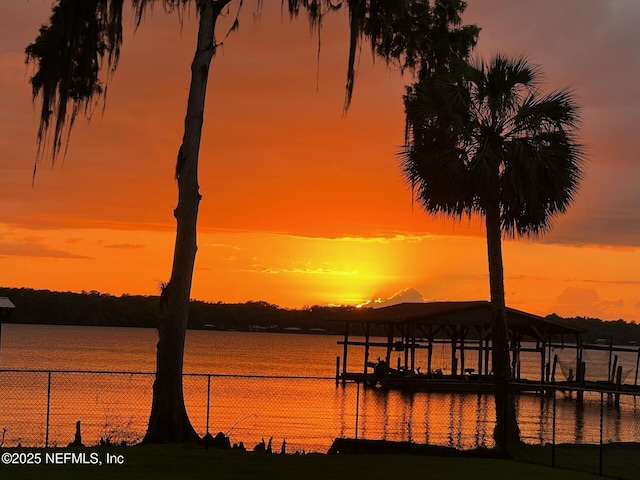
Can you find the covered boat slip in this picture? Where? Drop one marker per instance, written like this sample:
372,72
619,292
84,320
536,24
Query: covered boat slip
414,330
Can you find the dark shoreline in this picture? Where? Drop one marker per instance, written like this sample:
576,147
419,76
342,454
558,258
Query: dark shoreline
96,309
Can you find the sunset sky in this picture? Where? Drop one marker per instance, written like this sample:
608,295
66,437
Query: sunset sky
302,205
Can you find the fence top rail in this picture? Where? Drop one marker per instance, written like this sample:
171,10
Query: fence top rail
543,386
125,372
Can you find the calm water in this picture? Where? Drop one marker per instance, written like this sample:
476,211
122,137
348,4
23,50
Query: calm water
309,412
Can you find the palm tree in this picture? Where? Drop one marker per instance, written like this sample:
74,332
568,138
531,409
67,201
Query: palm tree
85,36
482,139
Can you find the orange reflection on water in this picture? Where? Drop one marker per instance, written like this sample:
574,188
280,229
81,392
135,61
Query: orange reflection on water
256,386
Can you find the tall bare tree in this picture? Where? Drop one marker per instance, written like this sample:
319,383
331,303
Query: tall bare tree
83,39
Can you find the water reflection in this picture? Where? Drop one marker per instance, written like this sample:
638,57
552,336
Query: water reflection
614,416
451,425
481,436
461,421
427,416
407,416
467,420
339,403
308,412
579,422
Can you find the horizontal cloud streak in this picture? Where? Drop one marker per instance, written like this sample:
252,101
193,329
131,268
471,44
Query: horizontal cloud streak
125,246
37,251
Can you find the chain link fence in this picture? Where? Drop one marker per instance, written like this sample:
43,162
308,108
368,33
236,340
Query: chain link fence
586,430
41,408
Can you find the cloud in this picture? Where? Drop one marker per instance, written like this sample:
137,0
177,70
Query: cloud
406,295
36,251
78,221
223,245
381,239
573,301
614,282
258,268
125,246
318,271
577,296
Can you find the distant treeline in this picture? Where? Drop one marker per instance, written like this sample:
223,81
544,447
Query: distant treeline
620,331
97,309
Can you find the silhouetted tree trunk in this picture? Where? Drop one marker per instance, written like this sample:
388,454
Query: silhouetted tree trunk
506,430
168,422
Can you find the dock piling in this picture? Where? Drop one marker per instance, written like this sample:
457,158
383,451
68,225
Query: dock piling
613,371
581,378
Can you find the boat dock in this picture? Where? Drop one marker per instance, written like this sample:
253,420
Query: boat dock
414,330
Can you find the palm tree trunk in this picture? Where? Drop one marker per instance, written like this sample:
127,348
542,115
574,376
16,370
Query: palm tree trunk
168,422
506,431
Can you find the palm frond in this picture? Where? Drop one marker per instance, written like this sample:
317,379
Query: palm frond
556,110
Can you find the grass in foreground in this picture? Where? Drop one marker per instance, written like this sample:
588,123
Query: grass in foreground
619,460
171,462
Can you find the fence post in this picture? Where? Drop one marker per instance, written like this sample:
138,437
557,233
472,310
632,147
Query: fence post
635,383
505,416
208,402
601,425
357,408
553,431
46,435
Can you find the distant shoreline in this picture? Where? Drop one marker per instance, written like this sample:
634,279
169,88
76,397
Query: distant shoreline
200,328
96,309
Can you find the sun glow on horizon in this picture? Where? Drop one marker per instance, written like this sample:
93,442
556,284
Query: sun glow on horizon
293,271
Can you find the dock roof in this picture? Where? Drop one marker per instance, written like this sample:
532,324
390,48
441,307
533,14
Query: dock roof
471,313
6,303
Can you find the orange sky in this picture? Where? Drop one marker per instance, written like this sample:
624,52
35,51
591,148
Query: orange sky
302,206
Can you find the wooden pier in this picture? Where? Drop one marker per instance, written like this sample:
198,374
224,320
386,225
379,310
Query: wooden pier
414,329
